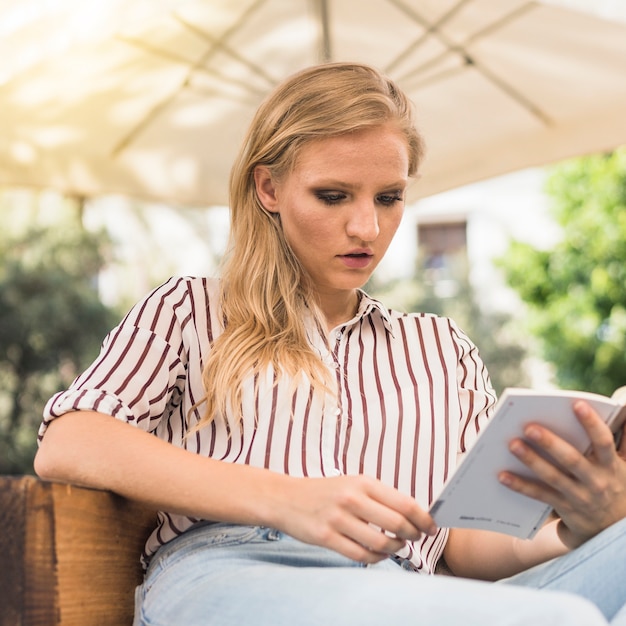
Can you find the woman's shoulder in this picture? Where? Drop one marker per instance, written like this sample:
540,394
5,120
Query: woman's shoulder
187,284
177,289
180,297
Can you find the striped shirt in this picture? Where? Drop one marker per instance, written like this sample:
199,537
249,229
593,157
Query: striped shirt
412,394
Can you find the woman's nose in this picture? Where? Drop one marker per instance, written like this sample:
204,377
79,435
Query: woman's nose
363,222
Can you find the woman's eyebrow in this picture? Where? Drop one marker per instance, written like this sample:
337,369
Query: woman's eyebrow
332,183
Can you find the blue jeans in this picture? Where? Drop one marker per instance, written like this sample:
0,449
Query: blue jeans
228,575
596,570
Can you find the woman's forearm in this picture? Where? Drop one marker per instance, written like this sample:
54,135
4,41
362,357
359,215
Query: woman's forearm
96,450
492,556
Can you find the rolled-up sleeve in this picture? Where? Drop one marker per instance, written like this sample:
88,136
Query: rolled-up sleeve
140,369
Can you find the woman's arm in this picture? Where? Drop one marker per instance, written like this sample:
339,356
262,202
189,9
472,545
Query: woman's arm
491,556
96,450
341,513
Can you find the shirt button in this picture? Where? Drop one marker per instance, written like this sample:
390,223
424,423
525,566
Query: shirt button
337,411
338,334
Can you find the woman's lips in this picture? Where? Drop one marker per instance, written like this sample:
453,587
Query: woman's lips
356,260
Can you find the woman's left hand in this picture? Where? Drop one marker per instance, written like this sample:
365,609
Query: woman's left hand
588,493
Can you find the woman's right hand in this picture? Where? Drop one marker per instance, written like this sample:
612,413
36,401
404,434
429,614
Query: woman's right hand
357,516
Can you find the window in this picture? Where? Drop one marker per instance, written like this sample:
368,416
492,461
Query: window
442,250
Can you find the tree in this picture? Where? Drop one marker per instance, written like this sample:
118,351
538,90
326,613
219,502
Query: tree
576,292
51,325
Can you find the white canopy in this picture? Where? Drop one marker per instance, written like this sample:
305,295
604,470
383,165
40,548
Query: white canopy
151,98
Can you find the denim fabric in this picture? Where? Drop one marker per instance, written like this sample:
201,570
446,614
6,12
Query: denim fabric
596,570
225,575
620,618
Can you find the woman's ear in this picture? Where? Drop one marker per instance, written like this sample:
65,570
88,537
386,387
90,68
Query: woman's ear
265,188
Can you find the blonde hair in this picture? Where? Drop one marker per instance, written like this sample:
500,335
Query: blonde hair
265,294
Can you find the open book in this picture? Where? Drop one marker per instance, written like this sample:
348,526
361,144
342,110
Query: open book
474,498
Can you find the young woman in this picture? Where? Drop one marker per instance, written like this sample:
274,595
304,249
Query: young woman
293,431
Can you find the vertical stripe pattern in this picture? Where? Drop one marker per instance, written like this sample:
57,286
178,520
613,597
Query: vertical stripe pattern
412,394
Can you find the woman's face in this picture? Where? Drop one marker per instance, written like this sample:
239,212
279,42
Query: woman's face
341,205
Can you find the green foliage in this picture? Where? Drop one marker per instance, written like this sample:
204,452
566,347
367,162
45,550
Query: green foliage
51,325
576,292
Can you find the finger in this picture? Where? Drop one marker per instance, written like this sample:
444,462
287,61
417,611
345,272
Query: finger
600,435
532,489
381,516
370,537
553,460
567,457
348,547
551,485
356,537
400,513
352,537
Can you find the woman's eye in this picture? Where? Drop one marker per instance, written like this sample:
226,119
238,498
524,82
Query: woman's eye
331,197
389,199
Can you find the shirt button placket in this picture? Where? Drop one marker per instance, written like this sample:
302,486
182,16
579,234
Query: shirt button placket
337,412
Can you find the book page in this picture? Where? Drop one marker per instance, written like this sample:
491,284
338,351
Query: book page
474,498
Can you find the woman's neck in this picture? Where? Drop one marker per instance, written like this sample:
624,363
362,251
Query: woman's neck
338,309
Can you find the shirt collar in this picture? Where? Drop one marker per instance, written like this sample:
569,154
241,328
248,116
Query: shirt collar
371,306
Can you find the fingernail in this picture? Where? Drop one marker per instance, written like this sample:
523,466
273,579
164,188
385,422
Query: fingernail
582,408
516,447
505,479
532,432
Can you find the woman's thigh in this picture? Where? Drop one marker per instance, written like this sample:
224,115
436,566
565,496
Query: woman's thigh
596,570
225,575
